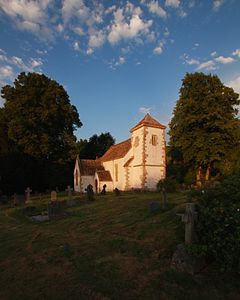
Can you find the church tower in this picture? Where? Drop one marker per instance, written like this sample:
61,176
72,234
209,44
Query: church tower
149,164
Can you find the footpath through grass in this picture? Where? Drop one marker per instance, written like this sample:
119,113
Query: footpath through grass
113,248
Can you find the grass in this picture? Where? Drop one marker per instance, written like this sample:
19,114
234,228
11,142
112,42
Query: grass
112,248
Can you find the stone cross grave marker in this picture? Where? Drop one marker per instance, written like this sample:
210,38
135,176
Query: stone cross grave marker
189,218
28,195
53,196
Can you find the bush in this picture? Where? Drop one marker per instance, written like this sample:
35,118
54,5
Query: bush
218,226
170,185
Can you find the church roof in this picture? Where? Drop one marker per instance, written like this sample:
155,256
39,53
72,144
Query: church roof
117,151
148,121
88,167
104,175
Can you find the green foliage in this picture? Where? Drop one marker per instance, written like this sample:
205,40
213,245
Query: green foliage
96,146
169,184
218,226
204,127
38,117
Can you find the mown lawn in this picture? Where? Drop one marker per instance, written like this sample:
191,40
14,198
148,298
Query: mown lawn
113,248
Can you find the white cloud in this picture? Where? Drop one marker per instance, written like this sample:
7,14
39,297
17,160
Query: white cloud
145,110
192,61
155,8
29,15
208,65
172,3
166,32
76,46
182,13
214,53
159,49
97,39
78,30
236,52
235,84
89,51
217,4
120,61
6,72
224,60
124,29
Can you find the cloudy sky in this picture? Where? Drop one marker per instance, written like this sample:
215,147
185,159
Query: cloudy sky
120,59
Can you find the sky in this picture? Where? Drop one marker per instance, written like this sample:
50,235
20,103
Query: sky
119,60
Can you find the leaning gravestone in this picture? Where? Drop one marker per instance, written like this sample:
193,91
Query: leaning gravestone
90,193
189,218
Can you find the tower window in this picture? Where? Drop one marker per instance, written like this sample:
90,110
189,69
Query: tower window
154,140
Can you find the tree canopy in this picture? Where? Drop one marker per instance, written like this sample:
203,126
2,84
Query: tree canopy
204,127
96,146
38,117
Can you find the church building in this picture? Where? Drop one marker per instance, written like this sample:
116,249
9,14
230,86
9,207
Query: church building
137,163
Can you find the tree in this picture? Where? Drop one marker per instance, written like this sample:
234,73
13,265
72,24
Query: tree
96,146
205,124
38,117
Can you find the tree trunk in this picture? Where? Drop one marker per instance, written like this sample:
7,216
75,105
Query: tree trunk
199,176
207,175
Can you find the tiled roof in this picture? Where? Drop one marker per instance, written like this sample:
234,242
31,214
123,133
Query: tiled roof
104,176
117,151
148,121
88,167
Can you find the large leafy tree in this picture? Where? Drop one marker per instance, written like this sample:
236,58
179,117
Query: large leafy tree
204,125
96,146
38,118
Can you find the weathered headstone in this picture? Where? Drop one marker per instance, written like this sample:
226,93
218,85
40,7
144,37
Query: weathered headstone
189,218
55,209
103,192
53,196
90,193
28,195
70,201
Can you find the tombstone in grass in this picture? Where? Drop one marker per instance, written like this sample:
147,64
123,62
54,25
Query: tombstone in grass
103,192
189,218
182,260
28,195
55,209
70,201
53,196
90,193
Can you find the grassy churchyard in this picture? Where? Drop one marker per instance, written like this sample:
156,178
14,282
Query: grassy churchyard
112,248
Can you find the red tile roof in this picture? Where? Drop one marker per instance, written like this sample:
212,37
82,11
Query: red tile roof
148,121
88,167
117,151
104,176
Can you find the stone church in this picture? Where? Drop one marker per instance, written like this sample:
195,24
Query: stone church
137,163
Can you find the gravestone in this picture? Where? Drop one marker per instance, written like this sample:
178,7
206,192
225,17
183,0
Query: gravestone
70,201
55,209
103,192
189,218
53,196
28,195
90,193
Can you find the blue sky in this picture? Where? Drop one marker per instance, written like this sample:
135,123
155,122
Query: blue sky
120,59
